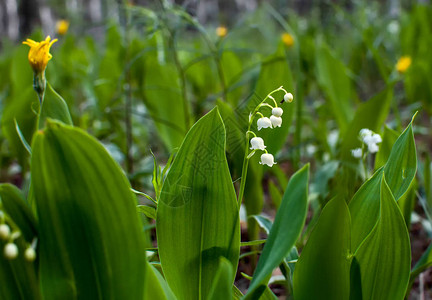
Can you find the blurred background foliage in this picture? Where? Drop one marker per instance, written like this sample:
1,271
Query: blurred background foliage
138,74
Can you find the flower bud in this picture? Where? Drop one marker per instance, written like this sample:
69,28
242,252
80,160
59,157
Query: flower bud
257,143
267,159
10,251
376,138
365,132
30,254
373,148
276,121
277,111
4,231
264,122
357,153
288,97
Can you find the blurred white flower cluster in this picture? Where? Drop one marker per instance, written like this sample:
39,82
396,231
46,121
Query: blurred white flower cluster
10,250
370,140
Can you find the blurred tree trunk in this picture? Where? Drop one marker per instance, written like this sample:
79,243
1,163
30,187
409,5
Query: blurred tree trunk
28,16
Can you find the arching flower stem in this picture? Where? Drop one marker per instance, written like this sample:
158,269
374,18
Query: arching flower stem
246,155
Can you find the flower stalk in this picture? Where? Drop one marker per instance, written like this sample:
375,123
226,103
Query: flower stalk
247,156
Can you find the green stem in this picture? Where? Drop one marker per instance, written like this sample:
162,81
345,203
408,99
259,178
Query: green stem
246,159
39,85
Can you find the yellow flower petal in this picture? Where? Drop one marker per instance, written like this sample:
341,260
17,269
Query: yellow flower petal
403,64
221,31
39,53
287,39
62,27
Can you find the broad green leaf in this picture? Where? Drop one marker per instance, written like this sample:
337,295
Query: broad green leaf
231,69
237,294
236,126
197,212
20,111
252,243
264,223
384,257
364,208
389,137
22,138
156,287
148,211
401,166
222,285
275,194
400,171
162,95
79,190
286,228
53,107
18,277
323,269
332,76
422,264
15,206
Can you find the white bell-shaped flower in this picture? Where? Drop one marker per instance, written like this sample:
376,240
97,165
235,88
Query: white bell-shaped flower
276,121
365,132
257,143
373,148
30,254
288,97
267,159
10,251
277,111
264,122
357,153
376,138
4,231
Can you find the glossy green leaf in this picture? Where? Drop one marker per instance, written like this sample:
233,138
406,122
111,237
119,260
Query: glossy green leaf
237,294
222,285
156,287
323,269
264,223
389,137
422,264
275,194
400,171
162,96
384,257
79,190
148,211
15,206
236,126
332,76
53,107
22,138
364,208
197,214
286,228
401,166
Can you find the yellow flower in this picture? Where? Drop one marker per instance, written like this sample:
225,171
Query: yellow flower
287,39
39,53
403,64
62,27
221,31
